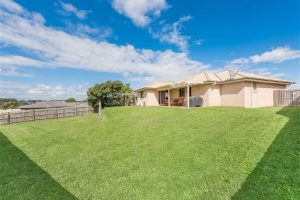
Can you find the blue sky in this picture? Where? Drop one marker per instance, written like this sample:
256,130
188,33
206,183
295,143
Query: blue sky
56,49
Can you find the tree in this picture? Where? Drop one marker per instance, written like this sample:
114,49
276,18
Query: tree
127,94
111,93
70,100
7,103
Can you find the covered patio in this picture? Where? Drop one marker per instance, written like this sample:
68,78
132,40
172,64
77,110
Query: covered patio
178,96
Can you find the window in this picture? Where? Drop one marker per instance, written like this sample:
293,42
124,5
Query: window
182,92
141,94
190,91
254,87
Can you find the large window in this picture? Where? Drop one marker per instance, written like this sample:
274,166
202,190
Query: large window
182,92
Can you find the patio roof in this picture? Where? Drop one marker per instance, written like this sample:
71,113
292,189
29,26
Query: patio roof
155,85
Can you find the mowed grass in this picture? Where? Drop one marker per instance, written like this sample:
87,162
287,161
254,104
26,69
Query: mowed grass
155,153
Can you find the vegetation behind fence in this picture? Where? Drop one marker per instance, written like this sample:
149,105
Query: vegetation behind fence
287,98
40,114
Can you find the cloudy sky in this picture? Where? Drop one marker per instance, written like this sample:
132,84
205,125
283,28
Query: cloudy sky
57,49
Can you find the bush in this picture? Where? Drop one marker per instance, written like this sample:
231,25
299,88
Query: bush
110,93
70,100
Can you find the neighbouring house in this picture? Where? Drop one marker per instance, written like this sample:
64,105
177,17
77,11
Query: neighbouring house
51,104
225,88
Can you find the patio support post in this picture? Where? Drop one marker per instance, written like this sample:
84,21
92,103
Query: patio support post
188,95
169,98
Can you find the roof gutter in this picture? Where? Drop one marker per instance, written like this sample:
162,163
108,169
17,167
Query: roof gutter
259,80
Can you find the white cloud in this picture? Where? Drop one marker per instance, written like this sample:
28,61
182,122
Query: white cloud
71,9
87,31
55,48
267,72
240,61
19,90
172,34
16,61
11,6
139,11
276,55
12,71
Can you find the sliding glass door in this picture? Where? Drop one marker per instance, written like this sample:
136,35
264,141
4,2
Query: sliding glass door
163,97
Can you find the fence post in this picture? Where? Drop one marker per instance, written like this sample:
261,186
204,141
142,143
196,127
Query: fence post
100,111
75,110
33,115
8,118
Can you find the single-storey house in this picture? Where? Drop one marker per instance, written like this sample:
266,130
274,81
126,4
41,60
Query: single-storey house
225,88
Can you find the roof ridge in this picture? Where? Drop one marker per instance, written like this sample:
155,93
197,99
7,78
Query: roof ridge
238,72
207,77
216,74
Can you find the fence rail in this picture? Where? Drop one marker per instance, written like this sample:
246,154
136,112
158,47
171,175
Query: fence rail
287,98
40,114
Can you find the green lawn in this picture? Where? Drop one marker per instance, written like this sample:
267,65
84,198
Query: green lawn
155,153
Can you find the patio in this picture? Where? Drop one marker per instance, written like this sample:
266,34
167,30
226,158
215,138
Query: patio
179,97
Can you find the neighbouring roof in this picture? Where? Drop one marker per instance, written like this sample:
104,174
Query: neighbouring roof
216,77
51,104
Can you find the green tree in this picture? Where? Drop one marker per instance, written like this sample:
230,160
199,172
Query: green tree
7,103
70,100
111,93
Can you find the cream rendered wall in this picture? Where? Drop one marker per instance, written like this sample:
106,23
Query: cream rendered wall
232,94
174,93
201,91
140,101
151,98
262,96
214,95
248,94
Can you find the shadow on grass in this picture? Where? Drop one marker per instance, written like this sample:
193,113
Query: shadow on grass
277,175
21,178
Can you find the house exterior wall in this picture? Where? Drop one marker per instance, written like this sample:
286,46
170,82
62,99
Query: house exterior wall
262,96
238,94
232,94
150,98
174,94
201,91
141,101
214,95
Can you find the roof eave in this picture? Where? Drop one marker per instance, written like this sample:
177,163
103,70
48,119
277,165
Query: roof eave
281,82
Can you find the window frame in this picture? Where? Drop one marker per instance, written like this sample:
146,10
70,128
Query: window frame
254,86
142,94
182,92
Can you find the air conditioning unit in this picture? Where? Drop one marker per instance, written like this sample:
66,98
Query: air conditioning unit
196,101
